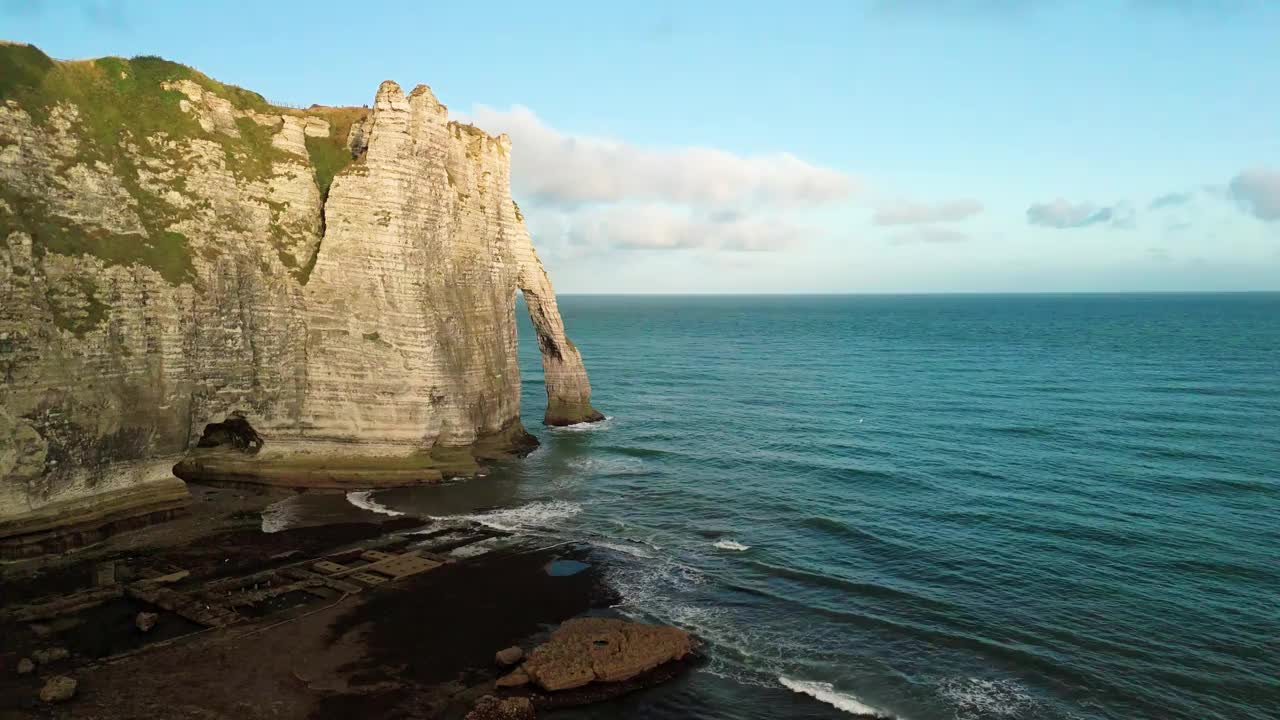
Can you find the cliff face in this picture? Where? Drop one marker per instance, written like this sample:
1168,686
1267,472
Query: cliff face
189,275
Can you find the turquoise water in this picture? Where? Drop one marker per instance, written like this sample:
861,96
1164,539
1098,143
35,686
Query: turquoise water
930,507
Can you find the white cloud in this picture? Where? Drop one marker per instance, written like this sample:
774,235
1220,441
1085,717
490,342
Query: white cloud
1258,192
655,227
1063,214
554,168
913,213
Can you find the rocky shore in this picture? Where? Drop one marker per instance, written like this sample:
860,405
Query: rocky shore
209,617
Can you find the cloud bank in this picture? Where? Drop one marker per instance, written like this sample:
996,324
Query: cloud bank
912,213
1063,214
1257,191
554,168
656,227
598,194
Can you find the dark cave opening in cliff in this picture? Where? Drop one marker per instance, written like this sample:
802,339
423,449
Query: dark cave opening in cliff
234,433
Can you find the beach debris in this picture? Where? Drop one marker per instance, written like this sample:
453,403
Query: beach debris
26,667
586,650
146,620
509,656
514,679
58,688
492,708
45,656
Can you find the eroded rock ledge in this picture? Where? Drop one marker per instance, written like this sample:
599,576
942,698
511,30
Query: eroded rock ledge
188,274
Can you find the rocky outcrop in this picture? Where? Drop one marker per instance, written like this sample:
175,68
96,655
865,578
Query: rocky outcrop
317,298
603,650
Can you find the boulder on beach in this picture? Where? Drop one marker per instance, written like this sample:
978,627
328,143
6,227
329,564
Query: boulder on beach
492,708
586,650
510,656
58,688
26,667
146,620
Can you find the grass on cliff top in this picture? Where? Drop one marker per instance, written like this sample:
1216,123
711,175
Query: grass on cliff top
330,155
121,101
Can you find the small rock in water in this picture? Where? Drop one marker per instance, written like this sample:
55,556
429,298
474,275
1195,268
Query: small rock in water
58,688
40,630
510,656
146,620
48,655
26,667
491,708
515,679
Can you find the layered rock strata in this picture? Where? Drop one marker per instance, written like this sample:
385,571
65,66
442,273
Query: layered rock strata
316,298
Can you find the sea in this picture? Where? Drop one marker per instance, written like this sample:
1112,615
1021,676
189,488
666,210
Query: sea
933,507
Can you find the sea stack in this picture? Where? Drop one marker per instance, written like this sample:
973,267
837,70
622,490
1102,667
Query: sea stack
192,276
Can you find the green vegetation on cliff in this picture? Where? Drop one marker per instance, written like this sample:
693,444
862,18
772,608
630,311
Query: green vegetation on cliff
119,103
330,155
120,118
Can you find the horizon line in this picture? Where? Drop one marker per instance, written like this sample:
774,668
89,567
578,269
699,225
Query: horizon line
917,293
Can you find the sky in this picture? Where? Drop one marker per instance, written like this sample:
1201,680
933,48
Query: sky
848,146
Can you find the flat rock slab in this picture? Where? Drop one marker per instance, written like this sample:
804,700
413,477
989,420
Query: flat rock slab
587,650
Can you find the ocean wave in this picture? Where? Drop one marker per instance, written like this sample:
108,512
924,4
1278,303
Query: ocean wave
975,698
474,549
624,548
655,586
542,515
832,526
585,426
605,465
280,515
363,499
827,693
637,452
731,545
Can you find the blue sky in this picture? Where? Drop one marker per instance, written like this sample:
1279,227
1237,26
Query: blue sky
910,146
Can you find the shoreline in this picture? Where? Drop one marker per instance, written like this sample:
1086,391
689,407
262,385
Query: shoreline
269,636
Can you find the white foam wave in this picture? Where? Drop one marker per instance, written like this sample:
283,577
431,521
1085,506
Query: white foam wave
474,549
827,693
363,499
534,516
660,588
627,549
593,465
280,515
975,698
585,426
731,545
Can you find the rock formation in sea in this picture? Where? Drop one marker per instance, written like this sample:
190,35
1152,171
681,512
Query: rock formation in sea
190,275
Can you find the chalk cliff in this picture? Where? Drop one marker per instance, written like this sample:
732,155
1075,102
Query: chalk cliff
192,276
